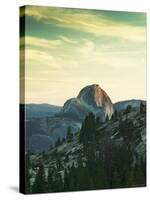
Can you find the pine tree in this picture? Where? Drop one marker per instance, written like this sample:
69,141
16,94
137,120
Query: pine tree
107,118
87,136
69,134
115,115
58,142
39,185
82,134
128,109
63,140
73,178
57,182
50,180
126,130
142,108
98,121
66,180
112,117
50,147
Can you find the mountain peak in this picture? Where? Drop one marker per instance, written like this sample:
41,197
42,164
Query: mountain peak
91,94
91,98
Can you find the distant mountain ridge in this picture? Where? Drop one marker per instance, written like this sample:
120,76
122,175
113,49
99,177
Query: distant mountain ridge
121,105
48,122
48,110
40,110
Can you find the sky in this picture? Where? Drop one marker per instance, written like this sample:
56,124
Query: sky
68,49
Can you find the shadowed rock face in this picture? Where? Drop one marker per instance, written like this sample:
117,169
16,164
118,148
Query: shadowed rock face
91,98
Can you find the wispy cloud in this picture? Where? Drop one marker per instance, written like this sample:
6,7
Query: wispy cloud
40,42
67,39
86,21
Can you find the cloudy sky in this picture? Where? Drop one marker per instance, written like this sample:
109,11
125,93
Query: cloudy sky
67,49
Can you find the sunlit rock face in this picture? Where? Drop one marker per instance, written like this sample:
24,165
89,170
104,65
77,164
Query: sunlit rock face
91,98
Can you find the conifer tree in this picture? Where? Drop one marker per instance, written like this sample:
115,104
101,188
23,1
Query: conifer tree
57,182
112,117
142,108
115,115
98,121
69,134
58,142
66,180
39,185
50,180
107,118
128,109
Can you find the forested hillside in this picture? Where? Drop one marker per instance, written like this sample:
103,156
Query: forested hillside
109,154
